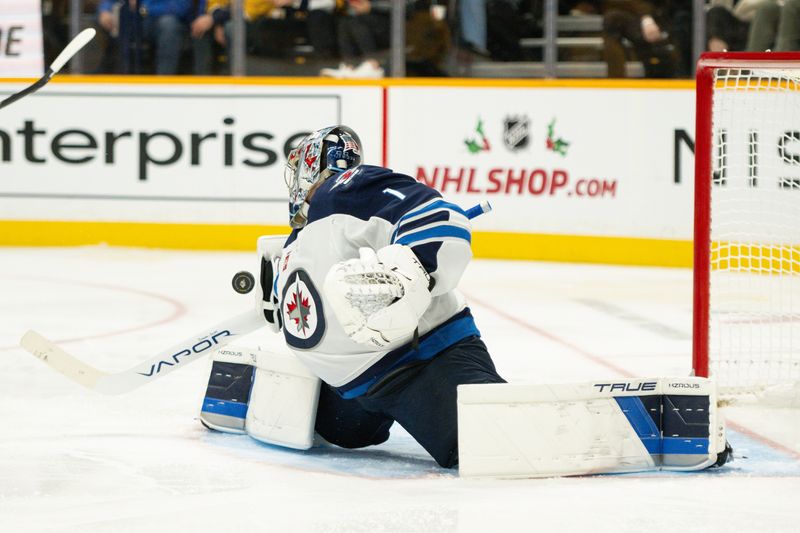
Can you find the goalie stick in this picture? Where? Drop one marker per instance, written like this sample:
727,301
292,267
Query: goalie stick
165,361
160,364
66,54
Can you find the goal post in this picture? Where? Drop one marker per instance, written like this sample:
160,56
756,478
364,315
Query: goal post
746,331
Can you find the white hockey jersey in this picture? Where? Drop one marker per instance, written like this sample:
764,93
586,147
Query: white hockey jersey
373,207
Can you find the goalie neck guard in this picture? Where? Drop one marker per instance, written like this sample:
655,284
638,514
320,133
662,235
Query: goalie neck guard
321,154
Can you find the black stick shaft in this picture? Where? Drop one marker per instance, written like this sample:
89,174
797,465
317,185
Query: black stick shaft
41,82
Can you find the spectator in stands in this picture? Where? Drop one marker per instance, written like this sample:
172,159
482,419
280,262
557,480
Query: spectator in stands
269,25
55,28
472,24
209,42
427,40
203,43
361,30
160,25
644,25
507,22
321,26
681,34
728,23
775,27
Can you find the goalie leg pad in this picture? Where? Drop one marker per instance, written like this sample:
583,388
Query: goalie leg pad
227,396
692,429
283,404
512,430
269,396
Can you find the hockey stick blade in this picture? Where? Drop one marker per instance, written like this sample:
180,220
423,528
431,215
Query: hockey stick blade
61,361
164,362
66,54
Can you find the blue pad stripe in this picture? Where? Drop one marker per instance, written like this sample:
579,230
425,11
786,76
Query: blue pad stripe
642,422
224,407
684,446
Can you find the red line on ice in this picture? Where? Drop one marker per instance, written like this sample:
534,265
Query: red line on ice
178,310
549,336
765,440
623,372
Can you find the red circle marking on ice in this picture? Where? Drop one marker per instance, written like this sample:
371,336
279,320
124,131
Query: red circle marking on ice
178,310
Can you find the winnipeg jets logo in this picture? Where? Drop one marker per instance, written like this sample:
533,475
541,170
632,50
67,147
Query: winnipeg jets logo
301,307
346,177
299,310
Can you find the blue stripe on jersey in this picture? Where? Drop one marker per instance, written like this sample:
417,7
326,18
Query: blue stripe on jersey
435,232
440,205
363,197
457,328
435,205
405,227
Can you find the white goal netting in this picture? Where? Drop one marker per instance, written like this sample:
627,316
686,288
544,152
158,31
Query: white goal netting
754,292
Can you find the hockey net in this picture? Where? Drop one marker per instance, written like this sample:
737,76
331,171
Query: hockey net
747,224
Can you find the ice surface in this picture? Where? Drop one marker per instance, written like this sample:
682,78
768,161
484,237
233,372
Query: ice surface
75,461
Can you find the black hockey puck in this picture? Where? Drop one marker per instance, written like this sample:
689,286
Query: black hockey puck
243,282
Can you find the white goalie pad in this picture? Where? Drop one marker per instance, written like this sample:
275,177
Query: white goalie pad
283,402
270,396
513,430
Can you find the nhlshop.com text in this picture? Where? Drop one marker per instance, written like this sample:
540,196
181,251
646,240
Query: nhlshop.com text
515,181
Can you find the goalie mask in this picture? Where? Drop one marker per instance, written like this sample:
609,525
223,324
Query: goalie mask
320,155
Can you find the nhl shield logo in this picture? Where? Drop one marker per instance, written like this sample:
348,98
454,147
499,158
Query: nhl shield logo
516,132
301,310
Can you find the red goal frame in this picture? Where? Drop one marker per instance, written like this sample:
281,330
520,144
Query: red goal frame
703,160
